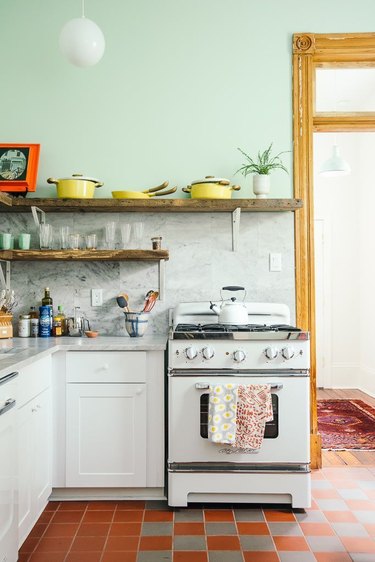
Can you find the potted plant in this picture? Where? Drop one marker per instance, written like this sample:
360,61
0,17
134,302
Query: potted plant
261,167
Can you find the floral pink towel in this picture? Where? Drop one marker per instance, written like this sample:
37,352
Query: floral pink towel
254,409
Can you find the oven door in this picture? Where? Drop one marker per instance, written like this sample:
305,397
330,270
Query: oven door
286,439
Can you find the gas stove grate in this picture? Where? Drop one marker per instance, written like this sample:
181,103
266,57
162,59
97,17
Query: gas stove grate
229,328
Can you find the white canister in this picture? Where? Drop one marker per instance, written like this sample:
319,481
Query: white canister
24,327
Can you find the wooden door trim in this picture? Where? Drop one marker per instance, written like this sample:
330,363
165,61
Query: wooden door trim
310,51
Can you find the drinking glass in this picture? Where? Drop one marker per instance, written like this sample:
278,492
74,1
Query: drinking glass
125,234
137,233
45,236
24,241
64,237
74,240
110,235
91,242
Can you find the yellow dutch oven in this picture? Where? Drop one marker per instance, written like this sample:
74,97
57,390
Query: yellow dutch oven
211,188
75,187
152,192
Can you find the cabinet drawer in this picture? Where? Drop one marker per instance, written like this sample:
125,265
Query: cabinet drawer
108,366
33,380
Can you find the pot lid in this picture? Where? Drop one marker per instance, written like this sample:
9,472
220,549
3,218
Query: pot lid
211,179
79,177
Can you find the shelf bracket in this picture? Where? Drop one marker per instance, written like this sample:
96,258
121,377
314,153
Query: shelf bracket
5,280
161,271
236,216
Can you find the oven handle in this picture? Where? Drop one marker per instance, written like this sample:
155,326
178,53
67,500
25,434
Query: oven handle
206,386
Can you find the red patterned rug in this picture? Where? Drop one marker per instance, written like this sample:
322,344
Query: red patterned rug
346,424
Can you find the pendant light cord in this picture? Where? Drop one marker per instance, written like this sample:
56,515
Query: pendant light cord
83,8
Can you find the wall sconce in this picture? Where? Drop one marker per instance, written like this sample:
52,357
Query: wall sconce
82,41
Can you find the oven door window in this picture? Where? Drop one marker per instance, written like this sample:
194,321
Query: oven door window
272,427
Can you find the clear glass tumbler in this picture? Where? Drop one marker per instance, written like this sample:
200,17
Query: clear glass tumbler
45,236
91,241
74,241
64,237
138,233
125,235
110,235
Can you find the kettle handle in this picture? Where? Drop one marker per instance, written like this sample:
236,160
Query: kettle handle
233,288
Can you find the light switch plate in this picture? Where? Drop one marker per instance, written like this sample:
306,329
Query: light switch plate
96,297
275,262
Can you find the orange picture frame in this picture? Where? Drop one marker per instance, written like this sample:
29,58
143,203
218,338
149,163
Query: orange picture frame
18,167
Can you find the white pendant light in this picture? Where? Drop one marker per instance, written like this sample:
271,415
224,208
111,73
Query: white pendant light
82,41
335,165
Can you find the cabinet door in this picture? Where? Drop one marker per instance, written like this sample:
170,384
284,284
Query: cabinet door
42,481
106,435
25,470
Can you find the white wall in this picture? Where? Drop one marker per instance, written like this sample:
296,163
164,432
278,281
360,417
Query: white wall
346,291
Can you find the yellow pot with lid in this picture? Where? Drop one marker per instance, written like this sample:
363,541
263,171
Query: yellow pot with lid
211,188
76,186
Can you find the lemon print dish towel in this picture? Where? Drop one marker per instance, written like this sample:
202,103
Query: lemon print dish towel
222,411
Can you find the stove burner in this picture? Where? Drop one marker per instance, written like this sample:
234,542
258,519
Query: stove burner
229,328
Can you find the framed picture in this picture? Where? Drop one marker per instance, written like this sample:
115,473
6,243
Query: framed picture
18,167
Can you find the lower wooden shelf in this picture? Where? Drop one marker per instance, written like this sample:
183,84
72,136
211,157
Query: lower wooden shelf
84,255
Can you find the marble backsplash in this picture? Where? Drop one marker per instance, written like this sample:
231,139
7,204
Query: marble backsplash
201,262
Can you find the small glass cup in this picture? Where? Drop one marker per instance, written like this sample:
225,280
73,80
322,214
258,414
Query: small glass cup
64,237
137,233
74,241
125,234
24,241
6,241
156,242
45,236
91,241
110,235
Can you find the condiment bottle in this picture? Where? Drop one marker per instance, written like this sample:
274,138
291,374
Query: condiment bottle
47,301
57,325
63,319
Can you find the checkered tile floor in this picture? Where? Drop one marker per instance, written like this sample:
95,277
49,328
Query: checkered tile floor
339,527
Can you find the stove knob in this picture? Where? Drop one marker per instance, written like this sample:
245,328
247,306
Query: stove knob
208,352
271,352
239,355
191,352
287,352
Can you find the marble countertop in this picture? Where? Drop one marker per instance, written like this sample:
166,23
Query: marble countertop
19,352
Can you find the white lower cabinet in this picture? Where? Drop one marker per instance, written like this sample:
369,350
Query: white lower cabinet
34,461
106,434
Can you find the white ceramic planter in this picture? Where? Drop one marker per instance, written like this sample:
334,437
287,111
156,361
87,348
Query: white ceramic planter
261,185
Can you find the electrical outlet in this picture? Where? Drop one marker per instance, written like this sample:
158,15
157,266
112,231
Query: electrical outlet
275,262
96,297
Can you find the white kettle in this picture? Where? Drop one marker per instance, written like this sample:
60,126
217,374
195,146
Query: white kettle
230,311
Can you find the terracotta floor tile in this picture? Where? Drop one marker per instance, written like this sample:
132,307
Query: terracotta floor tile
131,504
68,516
98,517
86,556
55,544
52,506
278,515
361,505
223,543
340,516
38,530
316,529
190,556
101,505
326,494
125,529
119,557
88,544
46,516
93,529
291,543
218,515
156,515
128,515
261,556
29,544
354,544
47,557
121,543
252,528
155,543
332,557
61,530
314,505
73,506
370,528
192,528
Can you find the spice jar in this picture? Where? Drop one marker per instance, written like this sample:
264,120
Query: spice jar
24,326
156,242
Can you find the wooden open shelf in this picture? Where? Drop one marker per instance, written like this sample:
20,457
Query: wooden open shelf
84,255
5,200
22,205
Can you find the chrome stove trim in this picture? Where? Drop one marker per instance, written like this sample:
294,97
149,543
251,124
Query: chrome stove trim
206,386
235,372
228,467
239,336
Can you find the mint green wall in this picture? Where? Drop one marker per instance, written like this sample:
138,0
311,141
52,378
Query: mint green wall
181,85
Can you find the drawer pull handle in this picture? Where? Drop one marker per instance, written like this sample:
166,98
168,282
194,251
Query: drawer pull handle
105,366
139,391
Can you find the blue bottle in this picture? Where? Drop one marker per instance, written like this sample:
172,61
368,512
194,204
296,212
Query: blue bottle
45,321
